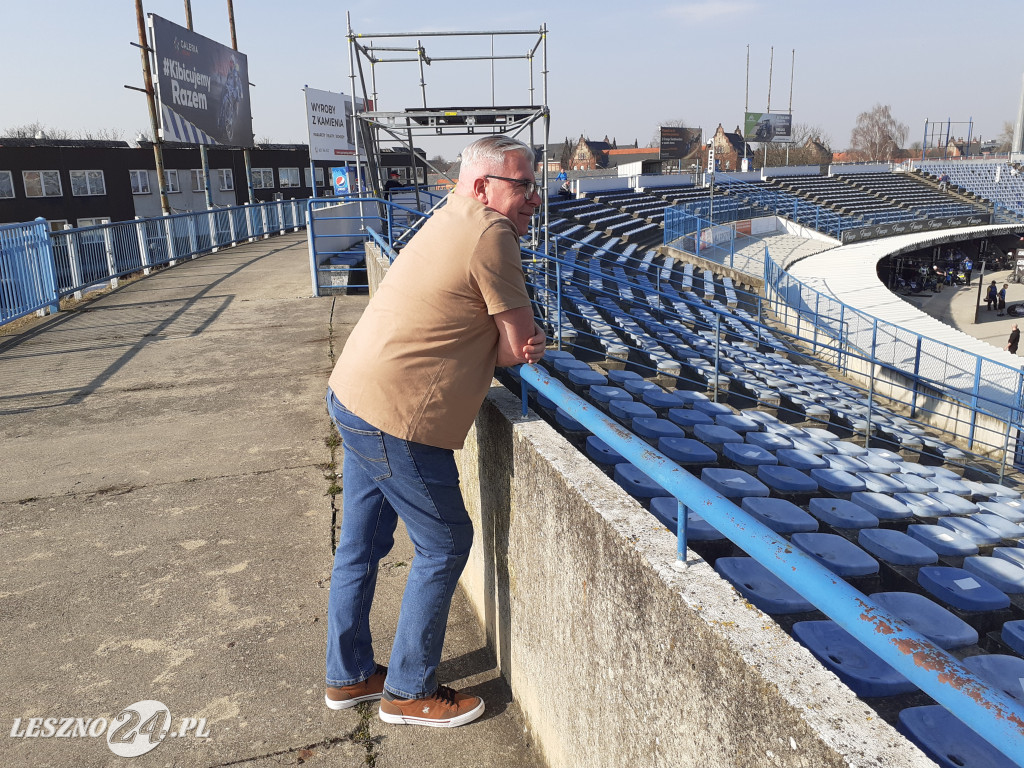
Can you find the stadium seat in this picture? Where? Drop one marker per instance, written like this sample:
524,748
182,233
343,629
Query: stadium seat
778,514
895,547
928,618
960,589
760,586
635,482
853,662
841,513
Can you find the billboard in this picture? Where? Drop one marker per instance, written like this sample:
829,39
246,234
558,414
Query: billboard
202,86
765,127
330,125
678,142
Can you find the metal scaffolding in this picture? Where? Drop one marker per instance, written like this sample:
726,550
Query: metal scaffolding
376,128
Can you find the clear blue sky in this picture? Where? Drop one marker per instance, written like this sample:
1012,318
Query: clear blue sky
616,68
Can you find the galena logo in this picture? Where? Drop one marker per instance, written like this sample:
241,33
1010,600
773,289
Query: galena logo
135,730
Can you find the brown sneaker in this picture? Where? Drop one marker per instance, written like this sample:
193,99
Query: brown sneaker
444,709
371,689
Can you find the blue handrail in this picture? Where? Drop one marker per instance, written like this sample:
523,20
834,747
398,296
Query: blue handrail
991,714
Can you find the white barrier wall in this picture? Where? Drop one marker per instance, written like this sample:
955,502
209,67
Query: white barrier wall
338,227
837,170
739,176
653,181
602,184
792,170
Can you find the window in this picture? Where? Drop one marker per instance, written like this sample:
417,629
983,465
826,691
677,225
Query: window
56,225
42,184
86,183
319,177
289,177
263,178
140,182
6,184
198,182
225,179
93,222
171,181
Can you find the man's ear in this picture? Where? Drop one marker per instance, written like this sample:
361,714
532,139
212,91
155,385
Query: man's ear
480,189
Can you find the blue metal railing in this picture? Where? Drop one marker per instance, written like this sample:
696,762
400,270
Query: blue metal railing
987,711
86,256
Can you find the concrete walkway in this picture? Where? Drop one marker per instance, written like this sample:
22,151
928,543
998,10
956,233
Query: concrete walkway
166,529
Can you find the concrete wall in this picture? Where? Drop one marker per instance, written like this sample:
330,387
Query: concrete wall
836,170
603,184
615,657
792,170
653,181
739,176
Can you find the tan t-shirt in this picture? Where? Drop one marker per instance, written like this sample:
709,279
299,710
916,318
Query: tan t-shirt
419,362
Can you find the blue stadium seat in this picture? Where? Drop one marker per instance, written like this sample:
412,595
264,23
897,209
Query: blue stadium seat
711,408
803,460
923,505
787,482
881,506
928,618
1011,554
638,386
879,482
1000,526
626,410
653,429
760,586
688,418
581,379
999,670
659,399
602,395
841,513
602,453
688,453
837,482
1007,511
851,661
778,514
733,483
768,440
635,482
1013,635
943,541
747,457
566,364
948,741
895,547
715,436
617,377
845,448
977,533
1004,575
845,463
961,589
666,509
569,424
737,423
842,557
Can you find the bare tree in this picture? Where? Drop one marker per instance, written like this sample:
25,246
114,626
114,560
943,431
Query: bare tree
877,135
36,129
810,146
1005,137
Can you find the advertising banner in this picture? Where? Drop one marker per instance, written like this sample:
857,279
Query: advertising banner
202,86
876,231
765,127
329,124
678,142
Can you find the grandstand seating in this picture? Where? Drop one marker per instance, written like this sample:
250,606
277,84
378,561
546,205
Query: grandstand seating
994,180
878,501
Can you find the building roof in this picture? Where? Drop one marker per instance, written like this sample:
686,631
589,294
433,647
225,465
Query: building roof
10,141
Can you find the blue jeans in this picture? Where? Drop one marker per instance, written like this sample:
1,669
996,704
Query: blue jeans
384,479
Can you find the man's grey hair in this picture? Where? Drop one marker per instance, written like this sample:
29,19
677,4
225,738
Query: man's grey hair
490,153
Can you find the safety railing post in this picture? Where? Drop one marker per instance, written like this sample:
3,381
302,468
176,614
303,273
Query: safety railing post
314,272
47,264
193,239
108,247
974,403
211,224
718,347
264,219
232,229
140,234
280,217
917,379
75,262
682,524
558,301
172,256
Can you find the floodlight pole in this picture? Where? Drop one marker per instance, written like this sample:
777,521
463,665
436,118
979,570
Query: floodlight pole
245,151
147,76
204,158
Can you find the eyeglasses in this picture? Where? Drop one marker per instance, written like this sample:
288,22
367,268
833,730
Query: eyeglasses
529,185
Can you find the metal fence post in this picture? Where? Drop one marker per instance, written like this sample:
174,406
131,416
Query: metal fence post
140,233
211,224
75,262
232,230
974,403
108,246
172,256
558,301
311,239
917,380
47,263
193,240
718,346
266,224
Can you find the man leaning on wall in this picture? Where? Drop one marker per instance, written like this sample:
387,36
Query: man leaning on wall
404,394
